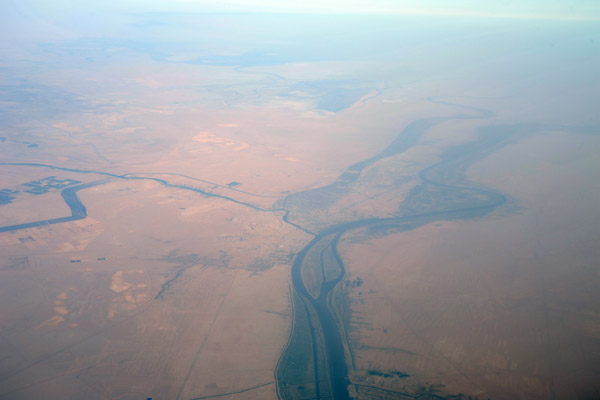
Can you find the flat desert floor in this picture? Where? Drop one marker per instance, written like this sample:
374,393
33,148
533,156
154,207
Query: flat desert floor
158,183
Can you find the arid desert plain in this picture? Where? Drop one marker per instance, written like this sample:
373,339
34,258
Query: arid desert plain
299,207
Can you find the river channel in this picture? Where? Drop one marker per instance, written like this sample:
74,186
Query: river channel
314,363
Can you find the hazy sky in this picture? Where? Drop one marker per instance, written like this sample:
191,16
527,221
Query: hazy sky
579,9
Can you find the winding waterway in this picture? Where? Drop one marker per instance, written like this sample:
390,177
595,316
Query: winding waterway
78,210
444,193
314,363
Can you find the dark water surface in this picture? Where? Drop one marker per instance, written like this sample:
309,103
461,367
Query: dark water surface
444,193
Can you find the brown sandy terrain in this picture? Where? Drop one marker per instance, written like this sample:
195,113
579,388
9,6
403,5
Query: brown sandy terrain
91,318
89,310
507,316
177,283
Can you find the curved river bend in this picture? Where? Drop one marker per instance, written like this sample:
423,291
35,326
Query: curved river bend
314,362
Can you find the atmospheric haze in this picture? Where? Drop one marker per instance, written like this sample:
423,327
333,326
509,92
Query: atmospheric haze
262,200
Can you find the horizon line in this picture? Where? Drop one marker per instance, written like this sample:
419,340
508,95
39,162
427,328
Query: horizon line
380,12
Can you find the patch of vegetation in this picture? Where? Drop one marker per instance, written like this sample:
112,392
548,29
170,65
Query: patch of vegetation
7,195
399,374
390,374
44,185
